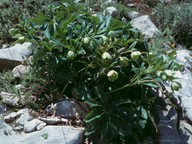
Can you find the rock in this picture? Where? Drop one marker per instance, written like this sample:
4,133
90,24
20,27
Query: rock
23,120
18,128
23,112
31,126
167,126
19,87
5,46
41,125
54,120
168,134
3,109
133,14
20,70
111,11
47,135
11,99
109,1
185,130
146,26
11,57
11,117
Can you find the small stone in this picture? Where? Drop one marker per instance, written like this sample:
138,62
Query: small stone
18,128
23,111
11,117
41,125
23,120
9,99
19,87
20,70
31,126
111,11
53,121
133,15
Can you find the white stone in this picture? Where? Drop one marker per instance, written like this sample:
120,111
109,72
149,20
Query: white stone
133,14
18,52
20,70
18,128
31,125
23,111
12,99
41,125
146,26
111,11
12,56
11,117
23,120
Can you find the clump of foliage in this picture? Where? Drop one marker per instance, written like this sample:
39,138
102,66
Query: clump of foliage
175,18
5,81
13,10
104,62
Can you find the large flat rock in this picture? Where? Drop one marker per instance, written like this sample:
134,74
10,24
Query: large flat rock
48,135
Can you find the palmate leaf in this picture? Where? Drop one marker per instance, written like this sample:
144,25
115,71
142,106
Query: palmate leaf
121,126
94,115
93,103
107,128
102,95
121,102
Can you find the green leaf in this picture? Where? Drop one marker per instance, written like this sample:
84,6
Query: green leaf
82,92
39,20
93,103
102,95
144,117
94,115
154,85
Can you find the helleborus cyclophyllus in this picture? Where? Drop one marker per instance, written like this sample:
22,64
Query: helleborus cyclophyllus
123,61
106,57
70,55
135,55
112,75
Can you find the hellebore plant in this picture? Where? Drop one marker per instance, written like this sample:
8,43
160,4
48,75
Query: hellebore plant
103,62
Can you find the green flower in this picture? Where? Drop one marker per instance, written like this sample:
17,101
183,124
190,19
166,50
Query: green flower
106,57
70,55
123,61
112,75
86,40
135,55
175,86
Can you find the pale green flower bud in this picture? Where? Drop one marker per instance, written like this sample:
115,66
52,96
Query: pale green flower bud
175,86
135,55
70,55
112,75
169,73
106,57
13,31
123,61
86,40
